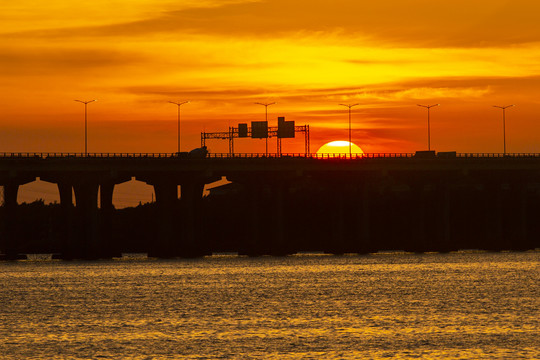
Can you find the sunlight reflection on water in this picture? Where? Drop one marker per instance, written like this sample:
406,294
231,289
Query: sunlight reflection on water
464,305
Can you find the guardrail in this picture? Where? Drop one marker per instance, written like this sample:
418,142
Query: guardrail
312,156
261,155
89,155
498,155
210,155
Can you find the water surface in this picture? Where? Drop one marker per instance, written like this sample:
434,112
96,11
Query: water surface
460,305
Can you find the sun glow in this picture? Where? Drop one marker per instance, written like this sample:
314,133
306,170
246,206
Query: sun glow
339,147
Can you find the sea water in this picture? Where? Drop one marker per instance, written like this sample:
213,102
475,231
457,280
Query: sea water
442,306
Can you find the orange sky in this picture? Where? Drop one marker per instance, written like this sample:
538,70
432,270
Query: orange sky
308,56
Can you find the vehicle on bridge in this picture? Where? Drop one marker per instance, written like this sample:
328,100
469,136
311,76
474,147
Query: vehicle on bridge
197,153
201,152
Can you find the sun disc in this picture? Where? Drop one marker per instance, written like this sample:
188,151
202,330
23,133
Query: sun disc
339,147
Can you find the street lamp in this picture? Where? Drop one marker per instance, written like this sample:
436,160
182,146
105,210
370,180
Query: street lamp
266,105
428,126
178,104
503,108
85,124
350,144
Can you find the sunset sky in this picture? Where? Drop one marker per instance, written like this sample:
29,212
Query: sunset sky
308,56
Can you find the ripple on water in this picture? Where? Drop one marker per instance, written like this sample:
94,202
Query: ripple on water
464,305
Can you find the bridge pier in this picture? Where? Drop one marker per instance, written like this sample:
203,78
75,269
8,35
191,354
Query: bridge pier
267,230
430,212
67,245
89,245
165,245
109,246
524,217
279,245
179,225
444,200
86,230
339,239
11,190
493,239
193,244
253,246
9,245
363,218
333,205
517,217
8,241
106,190
66,194
419,241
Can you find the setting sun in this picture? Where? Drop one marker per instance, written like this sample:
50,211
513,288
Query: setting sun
339,147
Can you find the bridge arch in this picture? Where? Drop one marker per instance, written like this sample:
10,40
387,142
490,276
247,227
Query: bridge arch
38,190
131,194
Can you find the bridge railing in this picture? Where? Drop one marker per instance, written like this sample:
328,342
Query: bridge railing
44,155
498,155
311,156
89,155
210,155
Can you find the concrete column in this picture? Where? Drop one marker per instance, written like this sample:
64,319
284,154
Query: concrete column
445,242
67,239
192,219
524,218
106,196
280,220
494,216
338,229
418,221
253,246
87,231
166,244
8,244
517,211
279,245
66,194
342,237
110,247
364,219
11,190
86,195
166,193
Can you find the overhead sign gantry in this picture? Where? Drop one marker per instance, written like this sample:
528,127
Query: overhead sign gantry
260,130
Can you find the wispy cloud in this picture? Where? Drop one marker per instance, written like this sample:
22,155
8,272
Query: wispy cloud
418,23
40,60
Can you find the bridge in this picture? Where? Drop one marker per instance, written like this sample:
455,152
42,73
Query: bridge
422,201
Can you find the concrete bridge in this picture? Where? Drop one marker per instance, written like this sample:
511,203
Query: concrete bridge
360,190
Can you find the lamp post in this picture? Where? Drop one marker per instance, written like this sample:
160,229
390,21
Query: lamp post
266,105
428,107
178,104
503,108
85,124
350,143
